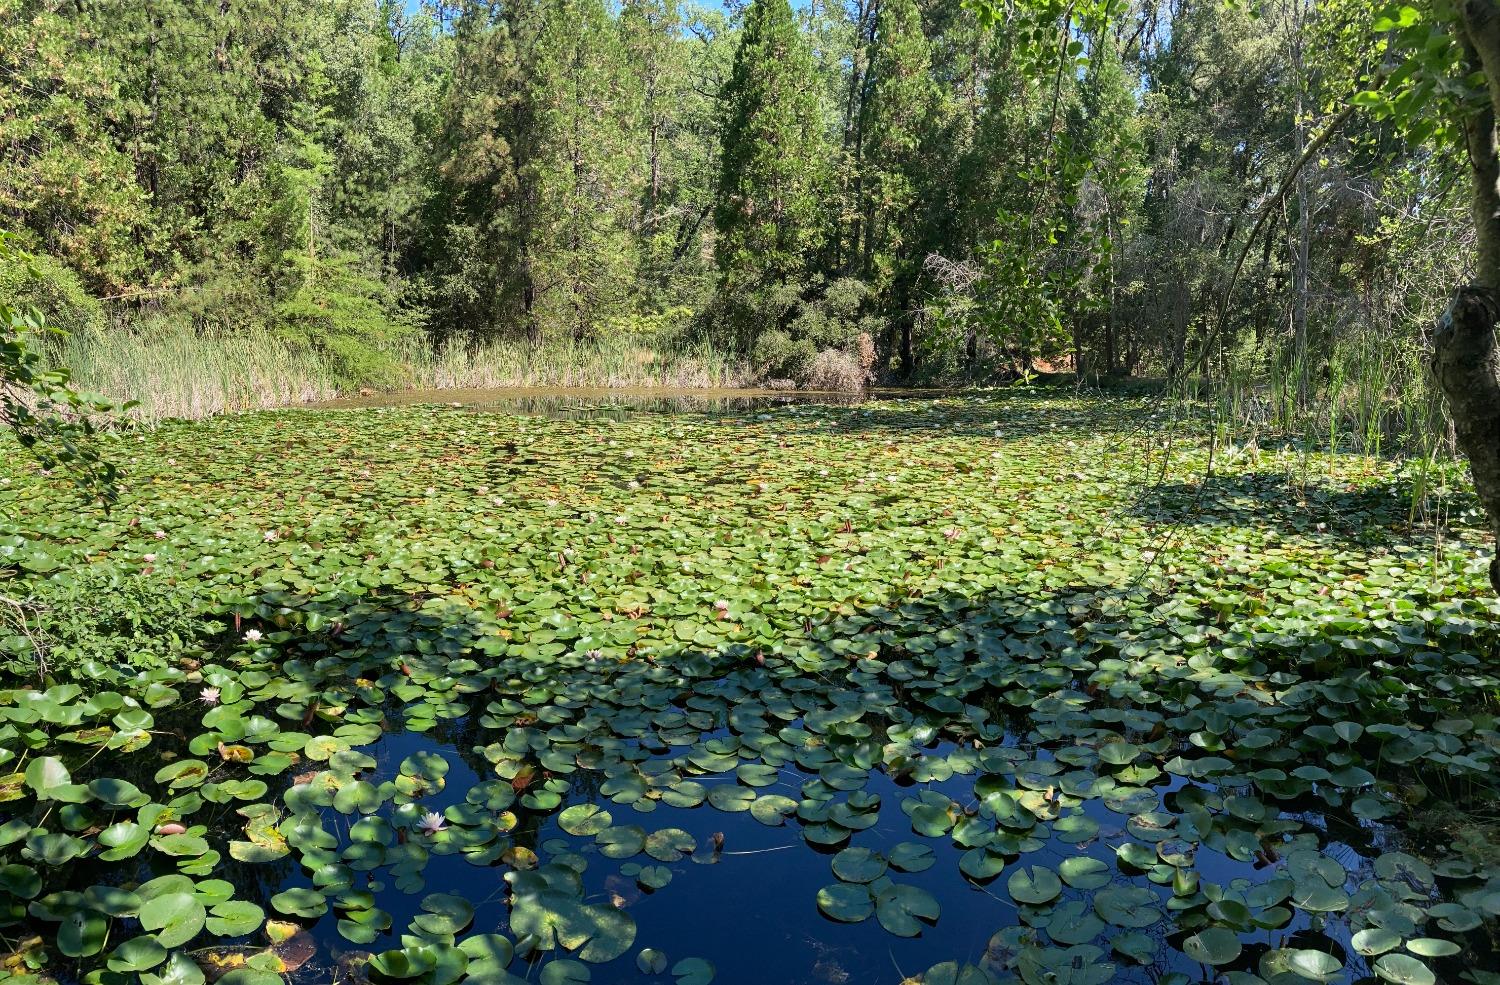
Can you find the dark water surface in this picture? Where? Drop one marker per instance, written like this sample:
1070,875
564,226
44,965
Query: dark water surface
613,402
751,908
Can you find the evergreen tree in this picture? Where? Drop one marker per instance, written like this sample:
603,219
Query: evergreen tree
898,117
580,172
772,154
473,252
896,137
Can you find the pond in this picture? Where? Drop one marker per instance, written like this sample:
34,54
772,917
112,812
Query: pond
586,402
961,689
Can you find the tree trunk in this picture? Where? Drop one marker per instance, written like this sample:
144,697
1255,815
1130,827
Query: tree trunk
1465,360
1466,364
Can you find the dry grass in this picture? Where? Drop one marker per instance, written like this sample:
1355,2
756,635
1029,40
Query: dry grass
606,363
192,376
177,374
835,370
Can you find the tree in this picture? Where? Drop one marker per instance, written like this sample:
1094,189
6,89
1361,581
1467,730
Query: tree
1438,92
771,157
580,174
894,142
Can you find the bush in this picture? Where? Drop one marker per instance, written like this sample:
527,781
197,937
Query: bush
44,284
348,317
98,613
835,369
778,356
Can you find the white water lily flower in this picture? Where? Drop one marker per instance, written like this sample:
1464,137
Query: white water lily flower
209,695
268,536
253,635
432,822
721,605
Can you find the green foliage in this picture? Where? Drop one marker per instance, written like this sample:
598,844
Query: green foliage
407,691
40,408
42,284
96,617
348,317
778,356
770,167
1009,183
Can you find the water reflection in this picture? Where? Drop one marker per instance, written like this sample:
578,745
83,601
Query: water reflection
751,908
574,403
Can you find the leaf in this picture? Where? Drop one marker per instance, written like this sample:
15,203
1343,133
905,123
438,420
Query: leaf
1083,872
846,902
669,844
137,954
1035,885
858,865
584,819
899,908
693,971
1403,970
235,918
444,914
564,972
45,774
1127,906
175,918
1212,946
911,856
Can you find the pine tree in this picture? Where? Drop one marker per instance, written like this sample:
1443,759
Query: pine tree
585,189
67,186
473,254
898,114
772,156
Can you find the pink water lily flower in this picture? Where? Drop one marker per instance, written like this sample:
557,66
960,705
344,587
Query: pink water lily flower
209,695
432,822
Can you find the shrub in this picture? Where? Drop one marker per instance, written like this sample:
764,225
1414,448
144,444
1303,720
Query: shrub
98,613
778,356
43,284
835,369
346,316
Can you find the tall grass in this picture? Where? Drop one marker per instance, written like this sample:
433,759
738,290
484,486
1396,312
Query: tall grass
183,374
619,361
1371,395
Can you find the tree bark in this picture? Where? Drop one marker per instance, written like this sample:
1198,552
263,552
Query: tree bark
1466,365
1465,359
